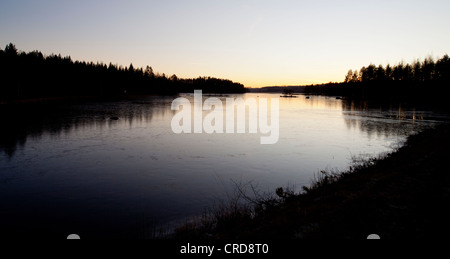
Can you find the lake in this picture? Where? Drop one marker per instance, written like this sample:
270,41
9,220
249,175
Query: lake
70,169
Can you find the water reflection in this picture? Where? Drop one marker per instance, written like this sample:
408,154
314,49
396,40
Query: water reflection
387,120
33,121
101,174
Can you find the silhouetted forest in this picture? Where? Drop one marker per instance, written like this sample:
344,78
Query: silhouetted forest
403,82
34,75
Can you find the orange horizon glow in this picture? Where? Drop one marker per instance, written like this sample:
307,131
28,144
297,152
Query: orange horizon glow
255,43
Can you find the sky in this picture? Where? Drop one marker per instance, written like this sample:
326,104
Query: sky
254,42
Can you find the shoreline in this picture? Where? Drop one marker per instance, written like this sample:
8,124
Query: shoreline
403,195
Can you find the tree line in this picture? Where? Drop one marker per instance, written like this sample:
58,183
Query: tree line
410,82
34,75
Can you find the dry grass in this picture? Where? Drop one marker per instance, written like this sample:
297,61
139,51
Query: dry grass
402,195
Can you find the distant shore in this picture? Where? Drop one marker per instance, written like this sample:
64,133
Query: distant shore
403,195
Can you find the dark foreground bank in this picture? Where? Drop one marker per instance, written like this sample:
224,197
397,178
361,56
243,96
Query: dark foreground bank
404,195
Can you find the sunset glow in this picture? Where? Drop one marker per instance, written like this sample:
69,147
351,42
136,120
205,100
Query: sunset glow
257,43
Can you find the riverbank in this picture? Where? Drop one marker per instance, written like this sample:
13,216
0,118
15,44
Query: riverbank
403,195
